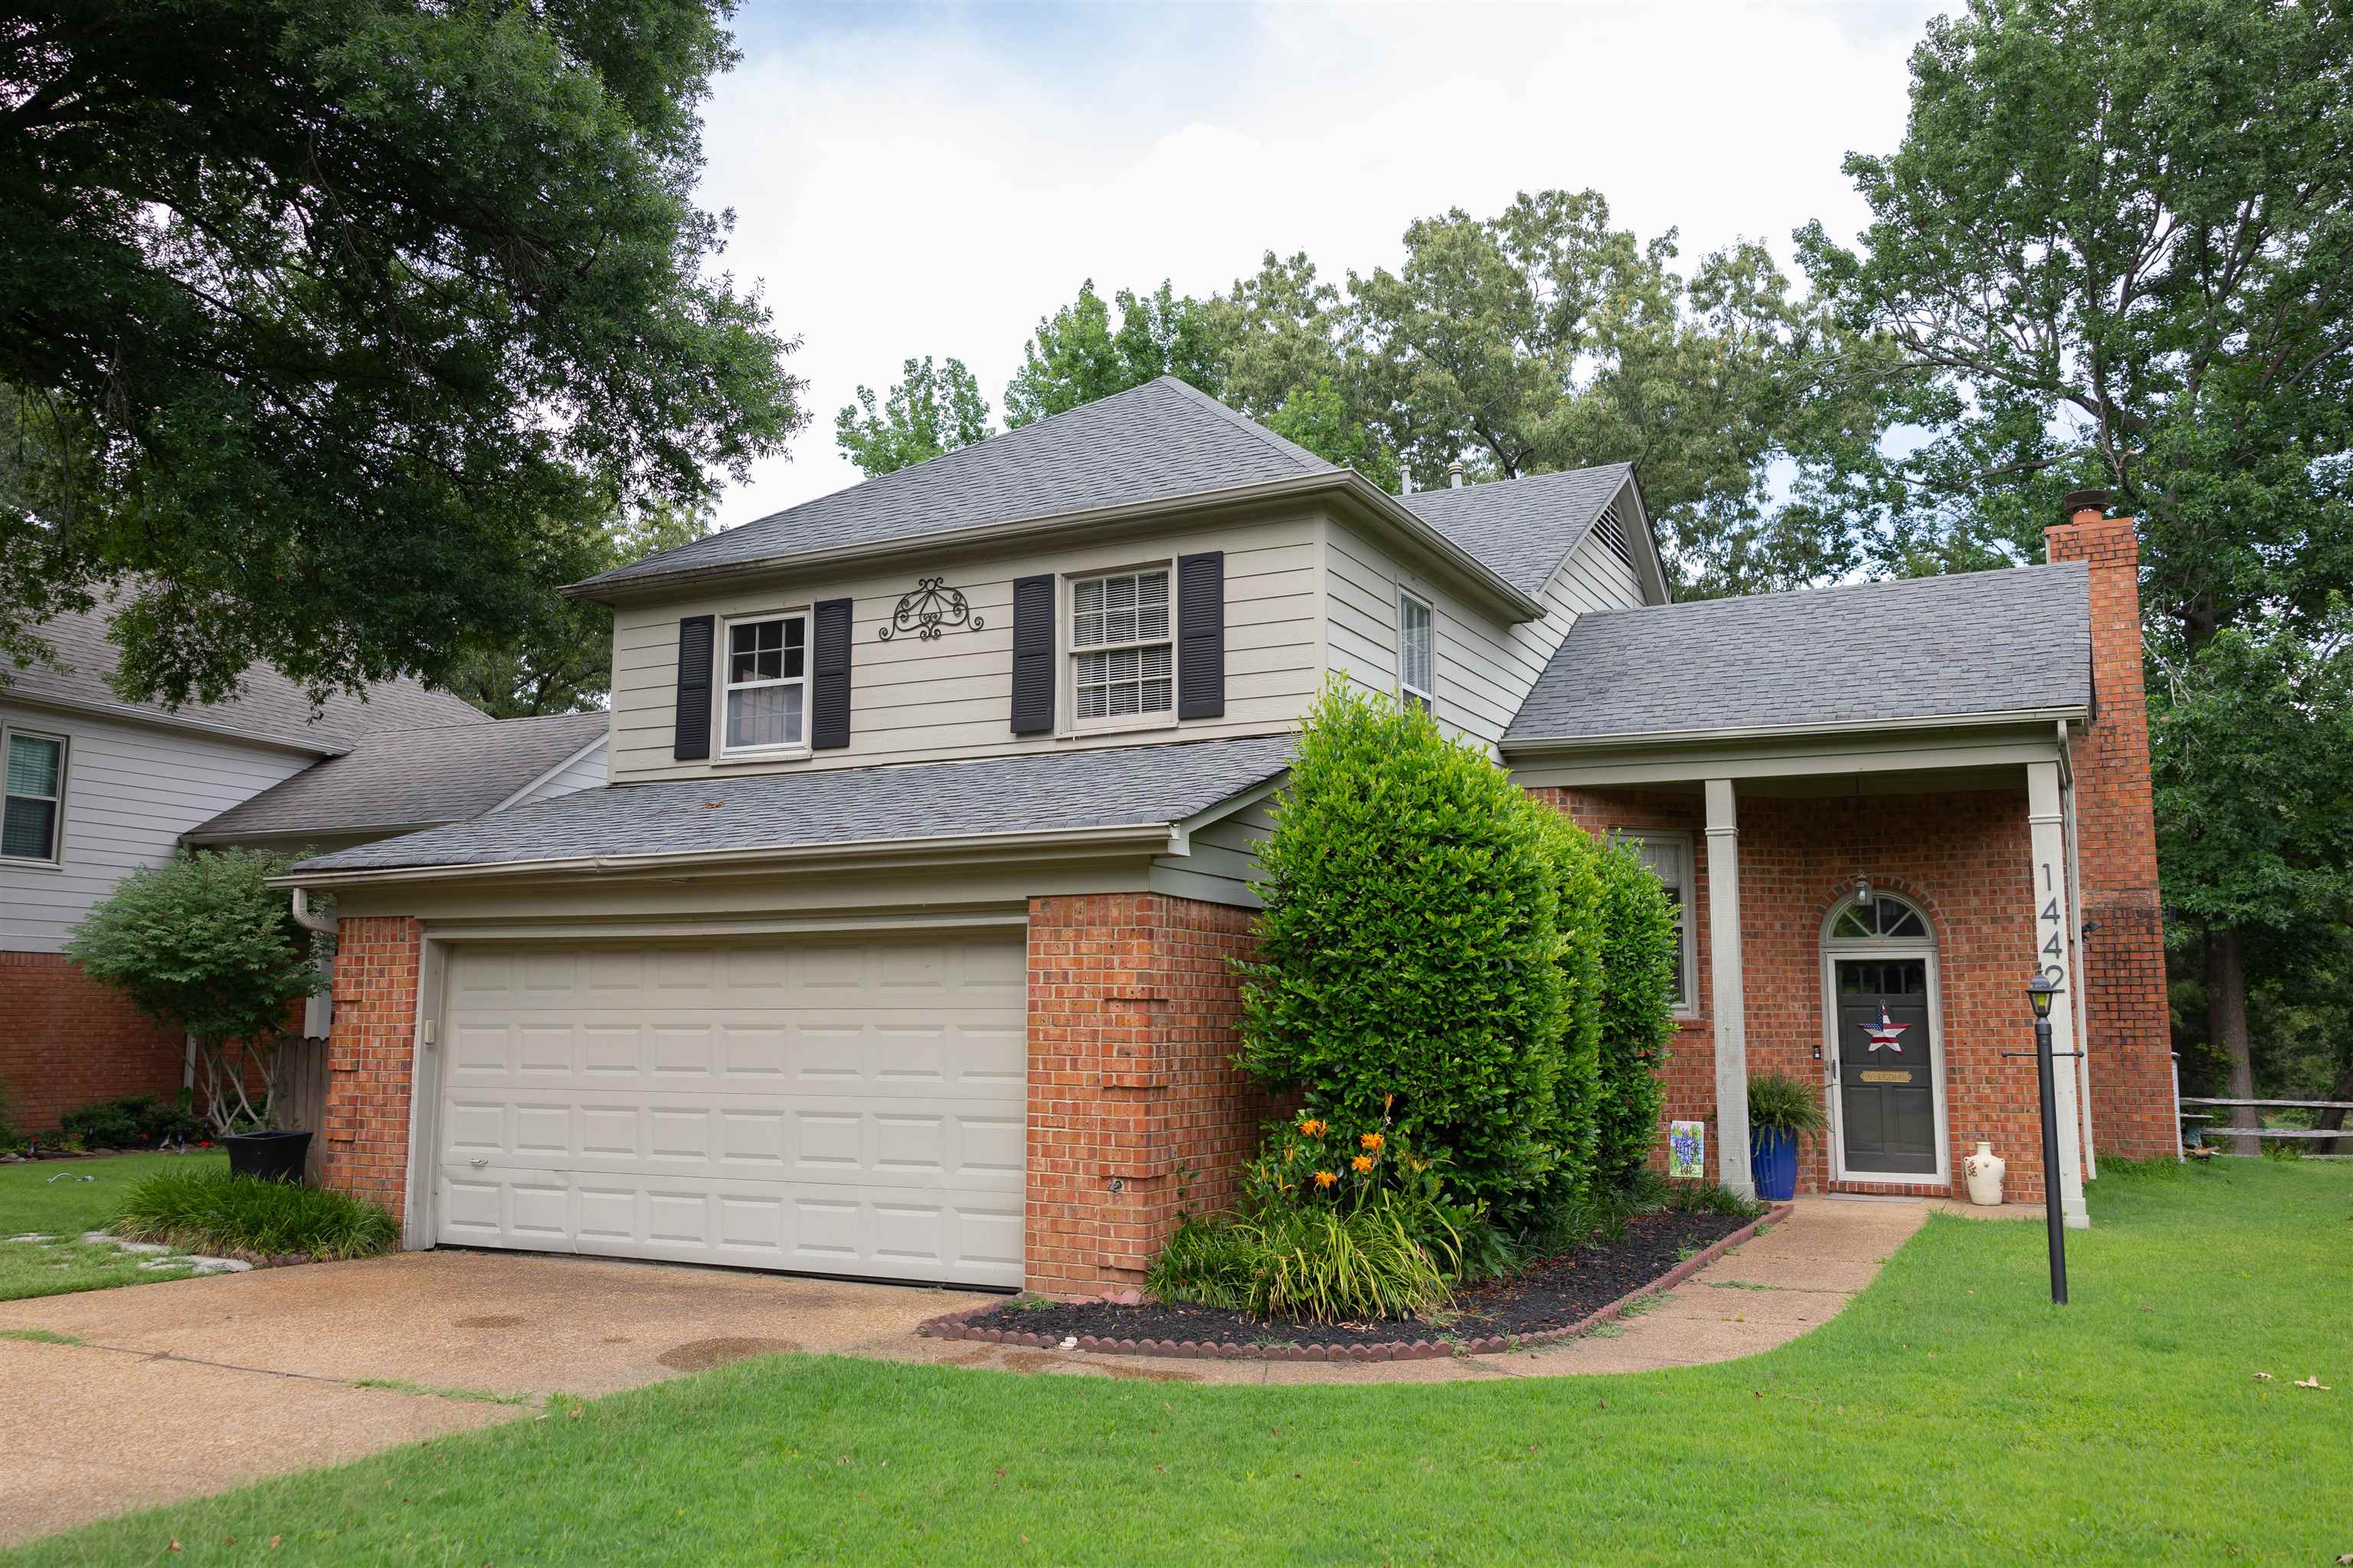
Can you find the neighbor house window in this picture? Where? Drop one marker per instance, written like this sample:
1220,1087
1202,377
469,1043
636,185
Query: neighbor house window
767,684
1669,856
1417,653
35,803
1122,664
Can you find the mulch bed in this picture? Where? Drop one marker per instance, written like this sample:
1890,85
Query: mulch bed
1551,1300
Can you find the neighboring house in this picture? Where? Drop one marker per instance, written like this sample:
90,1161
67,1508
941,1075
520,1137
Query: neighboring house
900,944
96,786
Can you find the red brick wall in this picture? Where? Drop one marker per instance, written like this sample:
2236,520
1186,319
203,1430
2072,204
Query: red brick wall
1964,857
67,1041
369,1058
1136,1110
2127,1021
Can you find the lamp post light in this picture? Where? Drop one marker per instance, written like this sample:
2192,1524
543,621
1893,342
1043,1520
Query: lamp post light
2040,992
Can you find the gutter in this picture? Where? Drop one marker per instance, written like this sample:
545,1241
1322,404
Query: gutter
1167,838
1369,496
1556,746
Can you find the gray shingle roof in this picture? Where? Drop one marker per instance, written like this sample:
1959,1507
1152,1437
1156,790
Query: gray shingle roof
1522,528
1920,648
268,705
1032,792
407,778
1159,440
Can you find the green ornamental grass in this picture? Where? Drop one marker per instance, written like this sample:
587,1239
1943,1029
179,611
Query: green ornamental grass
214,1211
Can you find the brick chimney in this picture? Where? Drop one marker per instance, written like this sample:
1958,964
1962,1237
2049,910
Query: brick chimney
2128,1027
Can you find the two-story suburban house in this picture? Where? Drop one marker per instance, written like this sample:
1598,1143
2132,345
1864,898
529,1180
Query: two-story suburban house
97,786
900,944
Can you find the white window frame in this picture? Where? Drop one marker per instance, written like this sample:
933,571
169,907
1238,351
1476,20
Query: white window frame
56,856
1687,982
1066,632
722,688
1408,693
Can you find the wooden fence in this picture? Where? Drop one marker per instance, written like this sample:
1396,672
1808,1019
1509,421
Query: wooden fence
2217,1137
303,1097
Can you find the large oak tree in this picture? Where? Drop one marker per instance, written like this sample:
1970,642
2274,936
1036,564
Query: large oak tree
332,332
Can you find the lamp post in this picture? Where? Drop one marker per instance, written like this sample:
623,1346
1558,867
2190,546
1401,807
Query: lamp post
2040,992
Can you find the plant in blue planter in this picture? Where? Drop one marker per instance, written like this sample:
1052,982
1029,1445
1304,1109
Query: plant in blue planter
1780,1109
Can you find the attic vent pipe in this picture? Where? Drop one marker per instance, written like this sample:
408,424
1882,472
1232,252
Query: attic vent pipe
1454,474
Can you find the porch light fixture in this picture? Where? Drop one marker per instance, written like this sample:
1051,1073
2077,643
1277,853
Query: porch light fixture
2040,992
1863,891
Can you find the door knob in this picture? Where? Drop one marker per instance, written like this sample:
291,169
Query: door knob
477,1164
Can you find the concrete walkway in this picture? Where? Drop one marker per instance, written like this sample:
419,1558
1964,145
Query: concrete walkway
1794,1277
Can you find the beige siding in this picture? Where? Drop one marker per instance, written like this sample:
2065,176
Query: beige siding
1223,863
131,792
586,773
916,701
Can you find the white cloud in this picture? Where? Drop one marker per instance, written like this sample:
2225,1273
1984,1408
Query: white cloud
928,183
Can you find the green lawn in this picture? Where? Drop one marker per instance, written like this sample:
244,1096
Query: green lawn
1950,1415
48,1198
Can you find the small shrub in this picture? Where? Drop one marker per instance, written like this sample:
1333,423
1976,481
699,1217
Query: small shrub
1204,1261
1708,1198
1638,988
1323,1263
214,1210
1780,1103
134,1121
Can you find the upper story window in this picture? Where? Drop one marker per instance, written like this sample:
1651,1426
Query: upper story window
767,686
34,808
1417,652
1669,856
1122,660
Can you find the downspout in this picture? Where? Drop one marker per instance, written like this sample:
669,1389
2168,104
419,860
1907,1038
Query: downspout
325,926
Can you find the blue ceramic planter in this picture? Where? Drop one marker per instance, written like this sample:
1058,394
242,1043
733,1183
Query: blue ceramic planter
1773,1162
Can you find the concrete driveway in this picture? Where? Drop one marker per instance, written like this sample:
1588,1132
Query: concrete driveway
249,1357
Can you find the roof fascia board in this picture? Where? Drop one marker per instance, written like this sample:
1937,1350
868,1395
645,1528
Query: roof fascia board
575,757
1656,563
1226,808
127,713
1896,729
1096,522
1819,754
1140,838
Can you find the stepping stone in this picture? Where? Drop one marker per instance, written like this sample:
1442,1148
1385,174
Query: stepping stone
144,1248
29,1236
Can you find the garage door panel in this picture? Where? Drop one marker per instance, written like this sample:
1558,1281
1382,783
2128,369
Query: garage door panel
844,1107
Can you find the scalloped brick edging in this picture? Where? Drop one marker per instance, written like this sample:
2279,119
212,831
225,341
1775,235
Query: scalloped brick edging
962,1325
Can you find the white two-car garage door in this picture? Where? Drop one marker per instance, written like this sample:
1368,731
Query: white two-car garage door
835,1106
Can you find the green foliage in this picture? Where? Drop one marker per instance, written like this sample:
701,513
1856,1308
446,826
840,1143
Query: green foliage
1779,1103
1076,355
927,412
203,943
1316,417
1580,917
331,329
1638,986
1386,1256
1706,1198
213,1211
1408,951
134,1121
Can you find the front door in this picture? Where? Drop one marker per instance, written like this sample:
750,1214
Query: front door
1886,1069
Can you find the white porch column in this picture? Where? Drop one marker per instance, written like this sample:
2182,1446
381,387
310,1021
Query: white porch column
2047,822
1729,996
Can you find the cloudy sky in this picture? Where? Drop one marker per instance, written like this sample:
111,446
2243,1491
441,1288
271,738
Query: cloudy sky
911,180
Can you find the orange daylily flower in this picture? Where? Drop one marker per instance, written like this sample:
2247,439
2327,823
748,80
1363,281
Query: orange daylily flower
1371,1140
1324,1178
1311,1126
1362,1162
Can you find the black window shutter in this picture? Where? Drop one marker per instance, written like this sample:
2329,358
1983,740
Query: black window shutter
692,741
1033,654
829,703
1201,635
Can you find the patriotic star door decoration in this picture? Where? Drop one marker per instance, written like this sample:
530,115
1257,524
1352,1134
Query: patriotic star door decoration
1883,1038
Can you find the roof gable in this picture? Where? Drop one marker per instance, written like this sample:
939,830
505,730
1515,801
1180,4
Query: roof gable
1523,529
1156,441
1886,652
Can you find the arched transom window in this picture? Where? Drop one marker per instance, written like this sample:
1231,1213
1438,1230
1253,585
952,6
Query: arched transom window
1885,917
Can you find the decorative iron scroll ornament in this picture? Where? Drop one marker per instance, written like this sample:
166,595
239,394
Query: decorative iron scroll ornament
932,608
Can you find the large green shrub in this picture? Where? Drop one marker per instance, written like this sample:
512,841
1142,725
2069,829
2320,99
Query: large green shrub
204,943
1638,988
134,1121
1409,951
1576,1096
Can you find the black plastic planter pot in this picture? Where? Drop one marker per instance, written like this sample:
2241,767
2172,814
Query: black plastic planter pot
267,1156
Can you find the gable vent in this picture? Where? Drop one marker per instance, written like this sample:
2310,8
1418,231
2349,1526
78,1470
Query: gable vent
1613,534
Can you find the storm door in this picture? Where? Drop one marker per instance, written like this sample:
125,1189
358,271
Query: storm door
1886,1080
